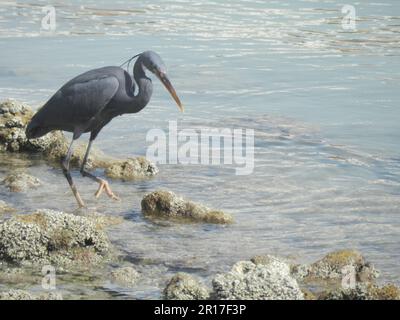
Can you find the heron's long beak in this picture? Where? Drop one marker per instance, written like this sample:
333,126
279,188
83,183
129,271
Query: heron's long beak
167,84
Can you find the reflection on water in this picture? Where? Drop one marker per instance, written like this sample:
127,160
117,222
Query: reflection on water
323,103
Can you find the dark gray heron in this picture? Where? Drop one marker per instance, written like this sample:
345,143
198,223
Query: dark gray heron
91,100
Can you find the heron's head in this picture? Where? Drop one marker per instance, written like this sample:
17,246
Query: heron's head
153,62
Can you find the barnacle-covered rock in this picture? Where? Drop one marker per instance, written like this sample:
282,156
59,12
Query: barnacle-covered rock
16,295
335,264
363,291
125,276
52,237
131,169
20,182
271,280
166,204
183,286
25,295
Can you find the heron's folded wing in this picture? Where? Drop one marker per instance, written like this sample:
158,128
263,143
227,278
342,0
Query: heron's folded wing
78,101
86,98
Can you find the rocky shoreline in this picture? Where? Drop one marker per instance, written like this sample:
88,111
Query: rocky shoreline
78,244
81,244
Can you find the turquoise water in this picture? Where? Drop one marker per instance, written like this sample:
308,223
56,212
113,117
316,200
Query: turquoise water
323,102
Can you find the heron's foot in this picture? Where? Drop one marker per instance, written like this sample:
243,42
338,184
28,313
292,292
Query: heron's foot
104,186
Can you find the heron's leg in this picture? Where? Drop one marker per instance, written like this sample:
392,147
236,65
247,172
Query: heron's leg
103,184
67,174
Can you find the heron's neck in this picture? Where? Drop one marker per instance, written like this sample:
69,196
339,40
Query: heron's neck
145,90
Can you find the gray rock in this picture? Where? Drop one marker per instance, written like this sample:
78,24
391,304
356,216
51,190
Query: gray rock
126,276
250,281
52,237
13,107
131,169
300,271
183,286
364,291
16,122
335,264
20,182
25,295
166,204
58,146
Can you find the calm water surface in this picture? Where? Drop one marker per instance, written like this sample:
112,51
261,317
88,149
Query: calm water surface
323,102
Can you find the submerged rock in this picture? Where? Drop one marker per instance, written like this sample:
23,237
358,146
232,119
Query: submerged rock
335,264
126,276
5,208
105,221
183,286
16,276
59,148
131,169
309,295
52,237
21,182
386,292
166,204
270,280
364,291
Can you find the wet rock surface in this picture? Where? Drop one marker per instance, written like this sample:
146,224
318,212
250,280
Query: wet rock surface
270,280
16,276
363,291
25,295
52,237
335,264
183,286
59,148
105,221
131,169
125,276
20,182
166,204
68,241
343,275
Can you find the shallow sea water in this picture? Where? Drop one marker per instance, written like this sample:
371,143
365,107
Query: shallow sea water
323,102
